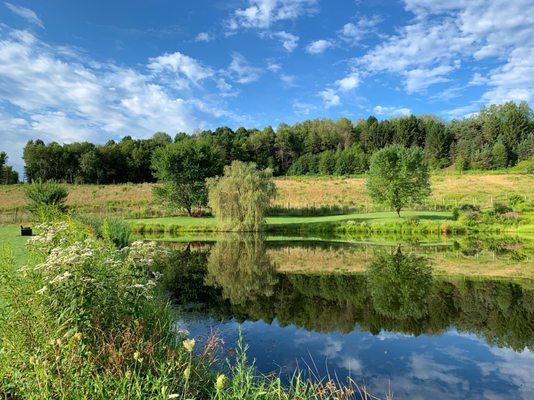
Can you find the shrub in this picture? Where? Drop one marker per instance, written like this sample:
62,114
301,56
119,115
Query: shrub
46,199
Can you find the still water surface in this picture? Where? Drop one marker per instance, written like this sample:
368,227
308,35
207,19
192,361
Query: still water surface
372,312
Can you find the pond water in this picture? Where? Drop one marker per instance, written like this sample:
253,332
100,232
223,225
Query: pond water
372,311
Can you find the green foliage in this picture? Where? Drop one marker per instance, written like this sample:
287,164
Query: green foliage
400,285
327,162
240,198
113,230
183,168
46,199
351,161
8,176
499,155
85,321
398,177
297,149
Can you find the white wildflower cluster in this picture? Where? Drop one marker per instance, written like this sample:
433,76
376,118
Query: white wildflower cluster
50,236
145,254
74,255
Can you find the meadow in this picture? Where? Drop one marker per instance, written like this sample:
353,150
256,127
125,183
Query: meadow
137,201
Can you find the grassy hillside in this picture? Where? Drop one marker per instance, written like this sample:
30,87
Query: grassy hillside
135,201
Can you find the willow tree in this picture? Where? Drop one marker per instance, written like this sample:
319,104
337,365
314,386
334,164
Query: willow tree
241,196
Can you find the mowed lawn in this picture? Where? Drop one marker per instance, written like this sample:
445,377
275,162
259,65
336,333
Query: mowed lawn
12,242
189,222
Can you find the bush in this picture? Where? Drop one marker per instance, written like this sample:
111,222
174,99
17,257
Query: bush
46,199
327,162
114,230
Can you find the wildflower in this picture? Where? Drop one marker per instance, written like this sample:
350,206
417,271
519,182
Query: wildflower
189,344
42,290
219,383
187,372
137,357
173,396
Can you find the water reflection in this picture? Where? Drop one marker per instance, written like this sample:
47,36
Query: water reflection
240,266
400,284
393,325
237,278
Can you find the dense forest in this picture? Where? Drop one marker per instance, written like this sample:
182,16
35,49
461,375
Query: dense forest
497,137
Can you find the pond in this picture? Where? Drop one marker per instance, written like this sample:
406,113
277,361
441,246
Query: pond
389,314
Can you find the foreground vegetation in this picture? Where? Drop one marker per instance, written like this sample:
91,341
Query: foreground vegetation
317,195
85,320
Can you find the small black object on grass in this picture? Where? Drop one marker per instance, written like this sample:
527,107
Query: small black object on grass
25,231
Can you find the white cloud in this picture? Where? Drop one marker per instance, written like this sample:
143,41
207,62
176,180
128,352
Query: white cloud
241,71
419,79
289,80
274,67
330,98
443,34
301,107
318,46
58,95
289,41
263,13
353,33
204,37
391,111
26,13
179,63
350,82
478,79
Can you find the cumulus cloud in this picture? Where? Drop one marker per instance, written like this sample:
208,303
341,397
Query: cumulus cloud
354,32
330,98
319,46
289,41
26,13
181,64
263,13
443,34
58,95
350,82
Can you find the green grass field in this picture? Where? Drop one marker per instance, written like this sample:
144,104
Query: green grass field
11,240
208,222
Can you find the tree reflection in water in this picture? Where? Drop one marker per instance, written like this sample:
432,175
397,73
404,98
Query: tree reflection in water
240,266
400,284
237,279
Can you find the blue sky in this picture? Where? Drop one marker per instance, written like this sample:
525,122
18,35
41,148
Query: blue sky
99,70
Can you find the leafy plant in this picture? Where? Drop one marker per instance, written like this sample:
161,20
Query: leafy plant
46,199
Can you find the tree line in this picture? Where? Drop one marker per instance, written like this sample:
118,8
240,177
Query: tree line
498,136
8,175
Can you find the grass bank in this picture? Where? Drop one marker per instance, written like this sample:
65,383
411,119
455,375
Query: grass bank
182,224
136,201
375,223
